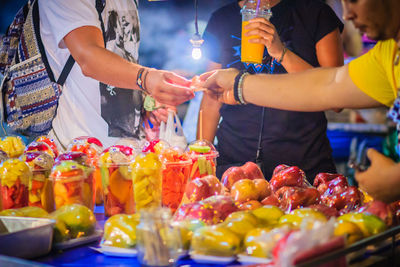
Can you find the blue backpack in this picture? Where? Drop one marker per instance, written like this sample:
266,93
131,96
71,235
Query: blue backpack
29,90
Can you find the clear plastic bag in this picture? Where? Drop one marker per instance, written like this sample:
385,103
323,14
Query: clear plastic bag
172,131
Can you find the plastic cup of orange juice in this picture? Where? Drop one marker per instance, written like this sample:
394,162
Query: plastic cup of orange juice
252,52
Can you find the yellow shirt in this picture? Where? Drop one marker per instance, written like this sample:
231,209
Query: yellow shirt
375,73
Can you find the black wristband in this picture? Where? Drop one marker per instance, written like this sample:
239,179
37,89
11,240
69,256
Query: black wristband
236,86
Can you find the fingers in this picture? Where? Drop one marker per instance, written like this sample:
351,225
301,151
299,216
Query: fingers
176,79
203,77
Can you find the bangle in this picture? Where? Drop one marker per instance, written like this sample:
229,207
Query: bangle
238,87
283,54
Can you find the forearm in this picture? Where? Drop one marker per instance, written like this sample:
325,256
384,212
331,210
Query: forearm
107,67
312,90
210,118
293,63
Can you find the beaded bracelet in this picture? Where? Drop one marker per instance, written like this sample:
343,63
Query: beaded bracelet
237,87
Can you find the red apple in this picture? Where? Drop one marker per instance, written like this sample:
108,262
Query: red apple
324,177
263,188
231,176
279,168
252,171
244,190
201,188
271,200
292,176
214,184
327,211
250,205
297,197
222,205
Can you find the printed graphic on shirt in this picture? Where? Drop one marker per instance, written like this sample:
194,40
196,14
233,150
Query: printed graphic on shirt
122,108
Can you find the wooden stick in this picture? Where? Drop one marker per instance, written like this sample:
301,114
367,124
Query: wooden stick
201,124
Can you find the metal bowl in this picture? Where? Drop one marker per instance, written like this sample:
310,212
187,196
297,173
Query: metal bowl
25,237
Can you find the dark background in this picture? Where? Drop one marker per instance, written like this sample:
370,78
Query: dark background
166,27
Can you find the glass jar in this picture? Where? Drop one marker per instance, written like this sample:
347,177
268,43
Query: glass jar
158,241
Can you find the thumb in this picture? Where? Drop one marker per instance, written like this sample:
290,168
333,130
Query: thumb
206,75
373,154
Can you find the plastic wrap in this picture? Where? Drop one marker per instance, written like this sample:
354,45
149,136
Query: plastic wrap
204,156
120,231
12,145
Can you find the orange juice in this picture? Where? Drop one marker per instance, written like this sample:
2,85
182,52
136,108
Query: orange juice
251,52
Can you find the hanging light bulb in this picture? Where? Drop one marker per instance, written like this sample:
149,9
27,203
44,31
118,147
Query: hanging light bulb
196,43
196,40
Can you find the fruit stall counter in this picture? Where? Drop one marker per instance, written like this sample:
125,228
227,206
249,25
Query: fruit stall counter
384,244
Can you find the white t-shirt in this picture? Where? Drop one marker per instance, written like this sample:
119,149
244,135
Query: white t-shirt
86,107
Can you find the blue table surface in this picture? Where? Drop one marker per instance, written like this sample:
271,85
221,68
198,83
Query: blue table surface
85,256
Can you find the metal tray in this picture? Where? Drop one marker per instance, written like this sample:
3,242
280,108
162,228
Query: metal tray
76,242
25,237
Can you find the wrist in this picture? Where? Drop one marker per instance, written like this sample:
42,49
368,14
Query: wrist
238,88
280,59
141,79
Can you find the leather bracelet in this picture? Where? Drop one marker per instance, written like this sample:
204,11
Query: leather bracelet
144,82
283,54
236,86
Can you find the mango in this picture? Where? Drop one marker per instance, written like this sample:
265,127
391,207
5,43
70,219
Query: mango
350,230
368,223
268,215
120,230
215,241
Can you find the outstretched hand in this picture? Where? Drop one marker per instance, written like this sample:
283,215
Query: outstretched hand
381,180
167,87
219,84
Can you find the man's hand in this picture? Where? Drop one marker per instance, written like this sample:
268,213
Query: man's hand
382,179
220,84
159,115
268,36
167,87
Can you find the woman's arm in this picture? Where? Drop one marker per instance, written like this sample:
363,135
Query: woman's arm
210,112
87,48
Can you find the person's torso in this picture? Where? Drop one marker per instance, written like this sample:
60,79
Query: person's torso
87,107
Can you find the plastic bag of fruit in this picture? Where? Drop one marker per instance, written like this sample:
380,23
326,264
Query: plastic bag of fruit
116,177
120,231
12,145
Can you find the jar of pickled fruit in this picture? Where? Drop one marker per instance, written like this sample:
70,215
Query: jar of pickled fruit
40,186
147,181
14,182
114,165
13,146
175,175
71,184
204,157
92,148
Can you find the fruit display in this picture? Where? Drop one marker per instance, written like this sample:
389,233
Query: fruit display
155,146
250,170
92,148
14,182
203,155
120,231
71,184
114,165
40,147
147,181
73,221
33,212
40,186
187,228
175,175
12,145
284,175
50,142
302,217
202,188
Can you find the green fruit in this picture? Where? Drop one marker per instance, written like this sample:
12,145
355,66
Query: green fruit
79,220
186,228
240,227
120,230
11,212
368,223
199,149
215,241
34,212
61,232
268,215
242,215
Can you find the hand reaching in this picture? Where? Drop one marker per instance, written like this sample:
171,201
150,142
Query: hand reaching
167,87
